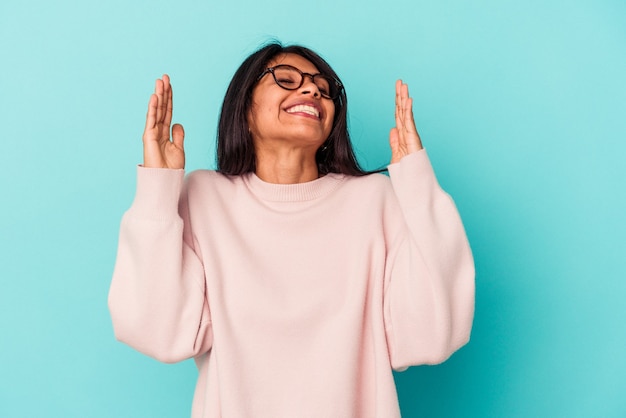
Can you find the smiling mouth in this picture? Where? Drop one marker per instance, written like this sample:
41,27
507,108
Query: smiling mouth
309,110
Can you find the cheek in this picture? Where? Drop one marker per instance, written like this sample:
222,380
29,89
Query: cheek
331,118
253,118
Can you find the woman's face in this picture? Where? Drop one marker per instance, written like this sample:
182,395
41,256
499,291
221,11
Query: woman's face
299,118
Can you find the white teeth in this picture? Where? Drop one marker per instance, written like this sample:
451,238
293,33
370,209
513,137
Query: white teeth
304,109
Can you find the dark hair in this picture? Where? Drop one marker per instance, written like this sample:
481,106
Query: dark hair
235,149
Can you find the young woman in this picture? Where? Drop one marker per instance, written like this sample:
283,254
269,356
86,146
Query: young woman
296,280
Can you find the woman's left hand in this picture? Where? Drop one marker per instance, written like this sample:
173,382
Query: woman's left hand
403,138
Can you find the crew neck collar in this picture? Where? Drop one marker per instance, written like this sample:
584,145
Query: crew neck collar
298,192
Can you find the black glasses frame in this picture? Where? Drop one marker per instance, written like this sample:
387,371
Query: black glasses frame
331,80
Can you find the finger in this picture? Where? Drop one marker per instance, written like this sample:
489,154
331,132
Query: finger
169,107
410,136
393,140
403,95
400,110
394,144
158,91
407,110
398,103
398,100
152,110
408,116
178,135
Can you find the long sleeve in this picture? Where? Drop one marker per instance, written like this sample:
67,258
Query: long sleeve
429,283
157,298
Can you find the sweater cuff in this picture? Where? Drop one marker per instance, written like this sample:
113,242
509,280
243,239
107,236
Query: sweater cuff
415,169
158,192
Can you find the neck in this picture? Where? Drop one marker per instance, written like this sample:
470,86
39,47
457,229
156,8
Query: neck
286,166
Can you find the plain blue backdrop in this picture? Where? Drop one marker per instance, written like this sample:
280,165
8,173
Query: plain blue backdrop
521,105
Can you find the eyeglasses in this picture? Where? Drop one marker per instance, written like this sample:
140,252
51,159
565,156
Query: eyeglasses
291,78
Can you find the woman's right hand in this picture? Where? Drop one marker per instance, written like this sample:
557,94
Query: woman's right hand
158,150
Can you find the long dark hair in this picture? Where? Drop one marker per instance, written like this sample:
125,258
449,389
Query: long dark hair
235,149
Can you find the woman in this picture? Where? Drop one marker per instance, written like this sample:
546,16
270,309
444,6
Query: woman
296,281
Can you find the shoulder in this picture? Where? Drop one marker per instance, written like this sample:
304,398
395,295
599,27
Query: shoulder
375,189
210,178
201,176
199,182
371,183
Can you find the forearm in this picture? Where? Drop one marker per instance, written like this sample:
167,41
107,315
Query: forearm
430,297
157,298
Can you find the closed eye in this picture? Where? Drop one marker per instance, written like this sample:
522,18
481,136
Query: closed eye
284,80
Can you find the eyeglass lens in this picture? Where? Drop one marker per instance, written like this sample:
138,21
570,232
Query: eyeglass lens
291,78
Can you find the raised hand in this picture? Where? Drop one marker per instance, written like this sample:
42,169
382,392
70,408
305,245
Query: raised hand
403,138
158,150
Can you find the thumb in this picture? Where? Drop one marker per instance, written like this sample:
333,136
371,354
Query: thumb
178,135
394,139
394,144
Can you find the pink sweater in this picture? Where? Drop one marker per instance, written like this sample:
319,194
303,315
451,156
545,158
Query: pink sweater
295,300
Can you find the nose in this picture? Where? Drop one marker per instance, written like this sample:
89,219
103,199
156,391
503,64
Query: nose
308,86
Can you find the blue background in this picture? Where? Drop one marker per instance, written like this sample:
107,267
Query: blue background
521,106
